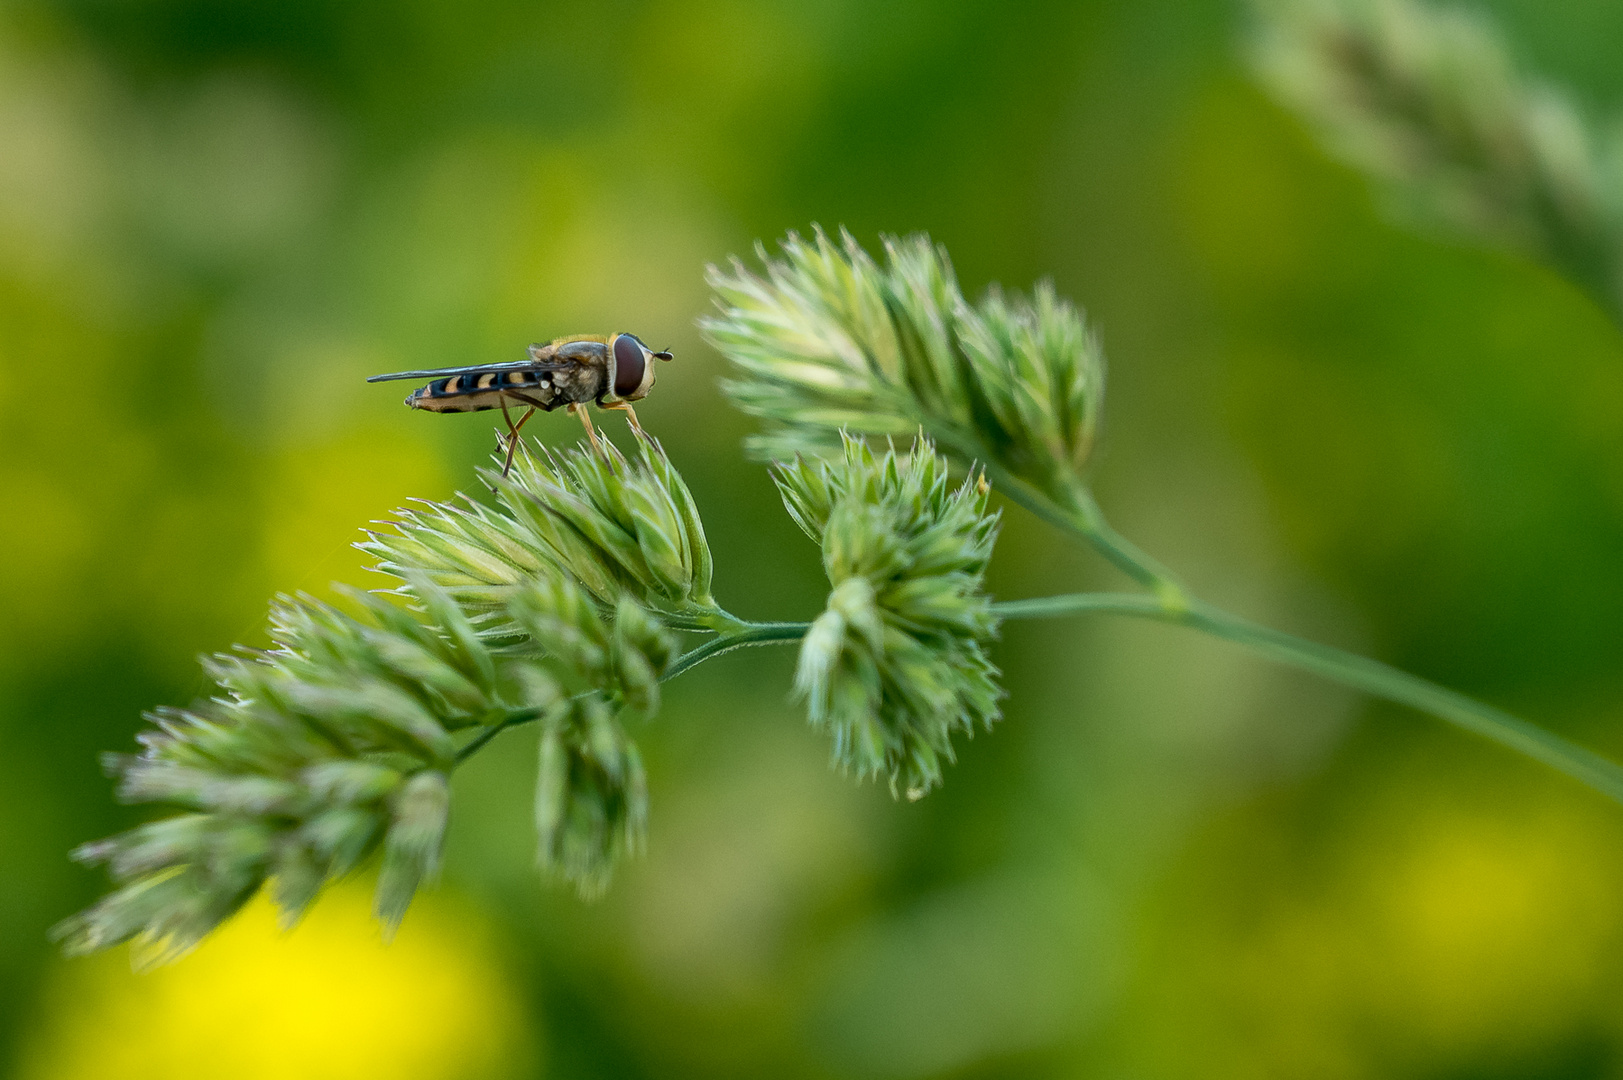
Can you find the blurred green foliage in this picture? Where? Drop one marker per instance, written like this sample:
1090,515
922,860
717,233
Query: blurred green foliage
1167,861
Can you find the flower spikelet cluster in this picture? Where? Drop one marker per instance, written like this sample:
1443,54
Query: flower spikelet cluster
1427,100
827,339
339,741
618,525
897,662
591,799
314,753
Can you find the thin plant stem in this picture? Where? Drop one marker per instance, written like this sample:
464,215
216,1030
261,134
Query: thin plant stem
750,634
1084,520
1169,602
1174,605
1349,669
1336,665
1361,673
753,634
512,719
1124,553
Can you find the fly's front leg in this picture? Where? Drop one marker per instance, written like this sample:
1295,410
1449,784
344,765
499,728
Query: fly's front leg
591,432
631,414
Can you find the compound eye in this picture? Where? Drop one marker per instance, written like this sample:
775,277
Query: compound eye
628,365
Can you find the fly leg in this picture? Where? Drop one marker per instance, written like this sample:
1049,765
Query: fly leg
631,414
512,436
591,432
512,433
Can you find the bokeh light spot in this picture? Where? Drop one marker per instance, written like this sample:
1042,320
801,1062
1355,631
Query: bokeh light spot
326,1001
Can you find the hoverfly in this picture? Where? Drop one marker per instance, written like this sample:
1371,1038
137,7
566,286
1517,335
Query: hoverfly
612,370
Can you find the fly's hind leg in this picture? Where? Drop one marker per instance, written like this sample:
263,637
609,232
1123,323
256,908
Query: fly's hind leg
591,432
512,436
512,433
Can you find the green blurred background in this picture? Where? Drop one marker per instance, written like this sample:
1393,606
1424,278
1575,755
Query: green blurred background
1169,861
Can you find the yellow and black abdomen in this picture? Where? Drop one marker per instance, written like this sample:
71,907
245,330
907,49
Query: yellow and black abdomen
478,391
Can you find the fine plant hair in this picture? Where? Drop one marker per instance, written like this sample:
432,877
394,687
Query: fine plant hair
1427,101
891,408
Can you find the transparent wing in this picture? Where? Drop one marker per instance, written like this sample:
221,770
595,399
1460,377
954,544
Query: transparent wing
477,369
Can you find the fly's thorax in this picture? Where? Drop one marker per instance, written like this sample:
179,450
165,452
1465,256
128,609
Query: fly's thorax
582,348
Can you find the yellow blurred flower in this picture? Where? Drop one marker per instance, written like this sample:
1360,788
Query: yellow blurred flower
327,1001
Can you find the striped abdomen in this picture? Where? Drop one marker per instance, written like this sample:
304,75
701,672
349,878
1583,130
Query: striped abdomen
479,391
